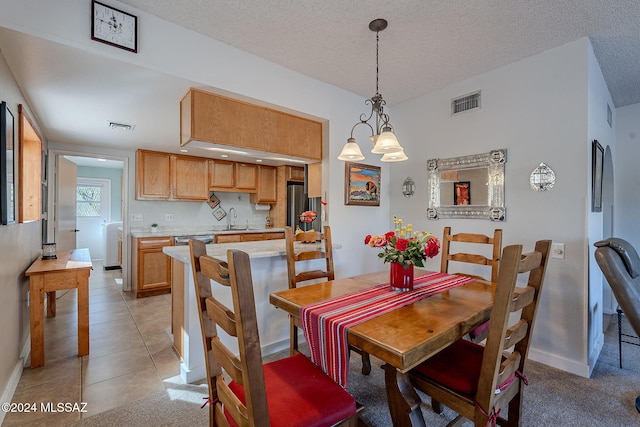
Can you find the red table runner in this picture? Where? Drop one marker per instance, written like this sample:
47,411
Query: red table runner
325,323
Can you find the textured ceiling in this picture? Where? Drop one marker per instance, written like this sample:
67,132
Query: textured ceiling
428,44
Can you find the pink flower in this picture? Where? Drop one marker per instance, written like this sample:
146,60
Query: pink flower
432,247
402,244
378,241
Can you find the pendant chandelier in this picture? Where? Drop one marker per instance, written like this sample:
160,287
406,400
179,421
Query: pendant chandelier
382,136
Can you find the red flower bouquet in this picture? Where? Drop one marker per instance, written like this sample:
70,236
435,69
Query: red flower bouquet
404,245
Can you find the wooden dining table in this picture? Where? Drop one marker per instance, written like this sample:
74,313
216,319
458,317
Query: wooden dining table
404,337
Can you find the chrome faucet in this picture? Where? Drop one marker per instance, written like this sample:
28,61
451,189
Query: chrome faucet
229,221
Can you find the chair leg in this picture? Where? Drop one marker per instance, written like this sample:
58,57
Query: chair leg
293,339
436,406
620,336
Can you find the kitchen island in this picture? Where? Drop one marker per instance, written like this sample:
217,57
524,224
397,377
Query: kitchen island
269,272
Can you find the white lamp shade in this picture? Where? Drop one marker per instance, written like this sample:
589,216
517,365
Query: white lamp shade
386,143
351,151
398,156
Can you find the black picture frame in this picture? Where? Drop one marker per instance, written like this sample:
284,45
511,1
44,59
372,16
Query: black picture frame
8,159
114,27
597,168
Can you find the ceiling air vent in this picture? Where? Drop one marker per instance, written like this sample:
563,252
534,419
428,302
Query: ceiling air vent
465,103
123,126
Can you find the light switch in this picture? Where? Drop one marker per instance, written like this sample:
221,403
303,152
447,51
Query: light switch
557,250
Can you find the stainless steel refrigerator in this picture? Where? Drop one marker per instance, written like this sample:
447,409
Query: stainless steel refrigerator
298,202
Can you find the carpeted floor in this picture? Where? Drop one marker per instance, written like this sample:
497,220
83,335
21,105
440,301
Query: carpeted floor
553,397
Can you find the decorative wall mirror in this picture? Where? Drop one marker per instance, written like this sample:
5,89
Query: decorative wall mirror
467,187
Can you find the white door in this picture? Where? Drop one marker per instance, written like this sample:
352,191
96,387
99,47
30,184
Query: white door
93,210
65,204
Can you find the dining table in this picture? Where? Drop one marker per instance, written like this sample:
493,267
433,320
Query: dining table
404,337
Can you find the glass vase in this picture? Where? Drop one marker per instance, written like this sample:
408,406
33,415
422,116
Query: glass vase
401,278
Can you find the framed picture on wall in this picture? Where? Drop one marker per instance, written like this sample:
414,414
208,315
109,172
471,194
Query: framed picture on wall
361,184
597,167
462,193
8,163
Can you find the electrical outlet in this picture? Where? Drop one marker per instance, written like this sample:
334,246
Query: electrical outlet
557,250
168,217
136,217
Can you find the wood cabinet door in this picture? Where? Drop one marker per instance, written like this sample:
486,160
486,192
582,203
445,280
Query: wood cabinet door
154,266
227,238
266,191
246,177
191,178
153,175
294,174
221,174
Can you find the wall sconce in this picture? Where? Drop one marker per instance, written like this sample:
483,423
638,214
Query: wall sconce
408,187
49,251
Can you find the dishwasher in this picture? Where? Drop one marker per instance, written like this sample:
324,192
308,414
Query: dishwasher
184,240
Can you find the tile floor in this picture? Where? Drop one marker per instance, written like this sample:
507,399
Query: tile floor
131,354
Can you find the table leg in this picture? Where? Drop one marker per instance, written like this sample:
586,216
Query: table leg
404,402
51,304
36,302
83,313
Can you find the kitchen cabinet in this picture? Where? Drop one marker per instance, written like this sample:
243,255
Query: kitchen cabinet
293,173
151,268
208,117
314,180
190,178
248,237
222,175
246,177
165,176
266,191
153,175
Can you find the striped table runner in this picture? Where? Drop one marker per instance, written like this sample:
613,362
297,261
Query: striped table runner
325,323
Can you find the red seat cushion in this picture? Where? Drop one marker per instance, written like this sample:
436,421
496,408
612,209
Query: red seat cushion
300,394
457,367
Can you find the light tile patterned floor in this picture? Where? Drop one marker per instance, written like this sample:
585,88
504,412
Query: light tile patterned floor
131,354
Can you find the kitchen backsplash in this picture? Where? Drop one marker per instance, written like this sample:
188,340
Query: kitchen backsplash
194,213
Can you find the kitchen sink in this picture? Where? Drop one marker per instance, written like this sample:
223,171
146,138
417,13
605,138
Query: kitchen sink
238,227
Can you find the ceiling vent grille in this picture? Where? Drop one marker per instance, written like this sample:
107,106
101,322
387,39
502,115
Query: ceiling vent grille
123,126
465,103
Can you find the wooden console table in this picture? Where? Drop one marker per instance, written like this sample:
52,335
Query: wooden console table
70,270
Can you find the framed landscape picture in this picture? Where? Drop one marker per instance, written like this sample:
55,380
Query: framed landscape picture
361,184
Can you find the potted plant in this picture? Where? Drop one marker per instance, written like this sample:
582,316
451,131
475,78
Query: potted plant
154,227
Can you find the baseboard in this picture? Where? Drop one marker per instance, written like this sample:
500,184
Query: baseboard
559,362
26,351
12,385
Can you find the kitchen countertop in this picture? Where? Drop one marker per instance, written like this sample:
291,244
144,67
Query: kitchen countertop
188,231
258,249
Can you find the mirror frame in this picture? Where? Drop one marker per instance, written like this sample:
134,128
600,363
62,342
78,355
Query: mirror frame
495,210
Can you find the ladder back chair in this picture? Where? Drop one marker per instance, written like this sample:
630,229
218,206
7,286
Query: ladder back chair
287,392
297,276
478,381
483,244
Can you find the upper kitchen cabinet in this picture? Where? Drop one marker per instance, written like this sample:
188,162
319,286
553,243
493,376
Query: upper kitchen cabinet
222,175
153,175
164,176
266,191
215,119
191,178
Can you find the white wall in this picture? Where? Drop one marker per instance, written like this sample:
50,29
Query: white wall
627,177
20,245
537,109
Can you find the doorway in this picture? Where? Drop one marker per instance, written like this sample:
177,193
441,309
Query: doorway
91,170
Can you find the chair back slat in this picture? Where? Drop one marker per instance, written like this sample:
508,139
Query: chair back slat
233,405
483,242
529,261
522,297
221,316
309,255
229,362
508,367
516,333
311,275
